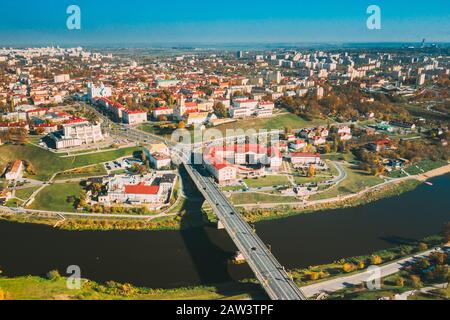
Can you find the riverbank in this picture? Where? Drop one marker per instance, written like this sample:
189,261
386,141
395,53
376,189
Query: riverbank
392,190
312,277
54,287
183,220
433,173
385,190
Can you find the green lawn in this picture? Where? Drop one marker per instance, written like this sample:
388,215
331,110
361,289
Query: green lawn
317,178
356,181
54,197
424,166
92,171
232,188
250,198
277,122
47,163
24,194
266,181
36,288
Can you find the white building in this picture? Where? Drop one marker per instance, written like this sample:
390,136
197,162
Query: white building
166,83
134,117
77,134
221,170
305,158
16,171
137,190
61,78
99,92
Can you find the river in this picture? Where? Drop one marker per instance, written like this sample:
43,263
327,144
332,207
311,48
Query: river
168,259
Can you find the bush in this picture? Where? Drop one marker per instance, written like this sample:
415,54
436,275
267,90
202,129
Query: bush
361,265
376,260
313,275
399,282
53,275
415,281
348,267
423,246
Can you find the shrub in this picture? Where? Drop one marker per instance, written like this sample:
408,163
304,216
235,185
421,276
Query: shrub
53,275
399,282
313,275
376,260
415,281
348,267
423,246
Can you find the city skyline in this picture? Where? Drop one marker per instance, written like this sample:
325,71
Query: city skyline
233,22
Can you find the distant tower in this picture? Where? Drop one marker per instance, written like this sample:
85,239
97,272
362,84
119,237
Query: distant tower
180,109
239,54
423,43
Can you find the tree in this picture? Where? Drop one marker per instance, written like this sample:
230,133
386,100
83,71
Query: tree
220,110
415,281
446,232
39,130
376,260
423,246
311,171
399,282
313,275
53,275
327,148
82,200
348,267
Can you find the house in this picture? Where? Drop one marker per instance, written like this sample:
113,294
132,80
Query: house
345,136
16,171
344,130
298,144
5,195
160,160
197,118
378,145
163,111
305,158
220,169
318,140
76,133
403,124
134,117
158,156
134,190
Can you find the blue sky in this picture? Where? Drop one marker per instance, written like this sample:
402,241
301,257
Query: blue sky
232,21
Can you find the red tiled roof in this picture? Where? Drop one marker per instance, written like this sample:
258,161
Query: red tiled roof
305,154
141,189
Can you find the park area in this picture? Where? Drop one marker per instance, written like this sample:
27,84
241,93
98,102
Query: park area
58,197
46,163
356,181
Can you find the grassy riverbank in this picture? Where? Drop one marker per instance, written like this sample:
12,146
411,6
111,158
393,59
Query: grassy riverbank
55,288
256,215
46,163
351,265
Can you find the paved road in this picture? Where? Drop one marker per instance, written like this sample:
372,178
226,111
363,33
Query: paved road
267,269
356,279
